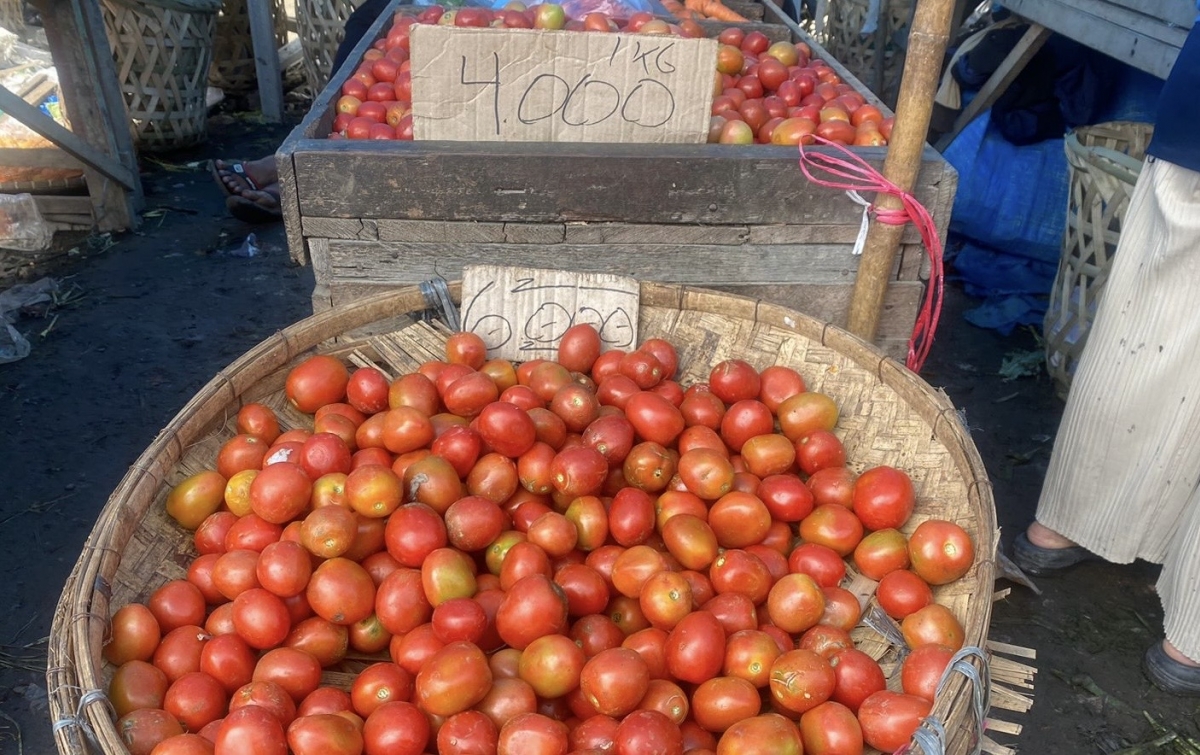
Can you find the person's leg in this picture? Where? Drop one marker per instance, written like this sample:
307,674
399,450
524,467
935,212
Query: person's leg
1128,450
1174,664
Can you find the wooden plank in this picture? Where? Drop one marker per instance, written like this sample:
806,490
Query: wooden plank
38,157
439,231
1181,13
640,183
413,262
266,60
1086,22
62,205
1012,65
645,233
93,101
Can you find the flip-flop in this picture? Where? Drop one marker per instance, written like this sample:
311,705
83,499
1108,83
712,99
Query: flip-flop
249,211
237,168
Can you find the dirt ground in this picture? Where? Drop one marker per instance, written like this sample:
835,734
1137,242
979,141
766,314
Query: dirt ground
153,316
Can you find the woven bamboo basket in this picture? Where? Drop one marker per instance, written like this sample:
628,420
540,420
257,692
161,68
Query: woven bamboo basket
232,67
888,416
1105,161
861,52
320,24
163,50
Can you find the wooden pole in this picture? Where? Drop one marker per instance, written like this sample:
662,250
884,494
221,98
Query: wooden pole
922,70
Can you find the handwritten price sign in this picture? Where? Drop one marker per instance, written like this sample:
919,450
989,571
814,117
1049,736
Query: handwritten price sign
488,84
521,313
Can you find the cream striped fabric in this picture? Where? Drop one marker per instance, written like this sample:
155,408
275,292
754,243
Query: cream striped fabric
1124,477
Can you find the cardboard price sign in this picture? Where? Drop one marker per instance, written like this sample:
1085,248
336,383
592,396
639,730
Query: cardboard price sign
485,84
522,313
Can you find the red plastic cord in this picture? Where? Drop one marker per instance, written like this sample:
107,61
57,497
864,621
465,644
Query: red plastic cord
853,174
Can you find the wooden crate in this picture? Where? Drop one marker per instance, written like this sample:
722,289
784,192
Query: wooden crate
369,215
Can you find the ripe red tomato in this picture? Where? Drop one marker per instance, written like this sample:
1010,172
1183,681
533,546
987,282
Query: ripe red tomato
695,647
533,607
858,676
341,591
296,671
888,719
801,680
819,450
552,665
396,728
324,734
318,380
142,730
766,734
933,625
745,419
176,604
379,684
614,681
648,731
831,729
654,418
722,701
940,551
881,552
883,498
136,685
734,380
196,700
902,592
228,659
833,485
922,669
833,526
280,492
506,428
251,729
805,412
533,734
795,603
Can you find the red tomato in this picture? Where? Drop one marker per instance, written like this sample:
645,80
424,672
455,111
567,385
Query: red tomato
858,677
805,412
615,681
739,519
832,485
820,562
883,498
251,729
831,729
260,421
367,390
645,731
396,728
902,592
280,492
196,700
734,380
134,635
833,526
767,734
142,730
795,603
888,719
654,418
933,625
722,701
940,551
744,420
695,648
881,552
506,428
922,669
533,734
324,734
341,591
552,665
801,680
465,347
533,607
176,604
136,685
455,678
317,381
579,347
819,450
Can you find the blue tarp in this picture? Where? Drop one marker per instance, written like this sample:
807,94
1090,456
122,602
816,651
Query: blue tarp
1010,209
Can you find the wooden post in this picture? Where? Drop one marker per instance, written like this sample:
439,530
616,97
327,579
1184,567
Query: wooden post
266,60
99,123
922,70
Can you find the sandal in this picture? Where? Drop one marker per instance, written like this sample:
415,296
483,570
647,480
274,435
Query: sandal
249,211
1043,562
1169,674
238,169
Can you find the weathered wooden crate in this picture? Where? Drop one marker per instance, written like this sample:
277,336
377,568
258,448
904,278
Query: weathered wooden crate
369,215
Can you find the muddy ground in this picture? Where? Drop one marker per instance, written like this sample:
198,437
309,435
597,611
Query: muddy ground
152,315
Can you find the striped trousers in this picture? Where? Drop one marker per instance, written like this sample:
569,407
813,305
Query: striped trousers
1124,476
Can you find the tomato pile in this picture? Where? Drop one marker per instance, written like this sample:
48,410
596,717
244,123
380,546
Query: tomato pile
577,555
763,92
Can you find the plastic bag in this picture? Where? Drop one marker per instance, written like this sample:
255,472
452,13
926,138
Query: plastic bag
21,225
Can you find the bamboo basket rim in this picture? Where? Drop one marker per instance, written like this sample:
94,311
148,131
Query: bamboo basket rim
82,611
1114,162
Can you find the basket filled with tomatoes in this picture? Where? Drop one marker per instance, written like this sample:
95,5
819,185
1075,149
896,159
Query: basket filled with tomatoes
735,214
750,533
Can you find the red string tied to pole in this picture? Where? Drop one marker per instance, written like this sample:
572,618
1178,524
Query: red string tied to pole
854,175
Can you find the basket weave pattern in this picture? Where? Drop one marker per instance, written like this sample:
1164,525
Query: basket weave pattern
1104,163
321,26
162,58
857,51
888,416
233,66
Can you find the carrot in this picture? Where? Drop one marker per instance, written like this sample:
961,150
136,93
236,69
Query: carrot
715,10
677,9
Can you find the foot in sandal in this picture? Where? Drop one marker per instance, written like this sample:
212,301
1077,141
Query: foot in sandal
235,178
